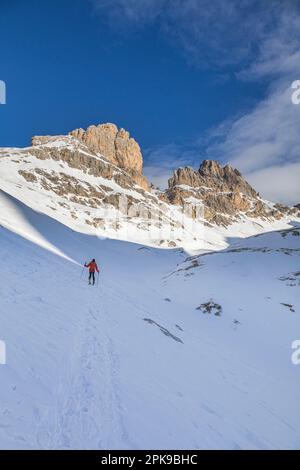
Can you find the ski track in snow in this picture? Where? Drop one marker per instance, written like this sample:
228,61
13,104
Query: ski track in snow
88,408
86,371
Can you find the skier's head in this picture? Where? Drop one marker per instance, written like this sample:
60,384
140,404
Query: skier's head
93,260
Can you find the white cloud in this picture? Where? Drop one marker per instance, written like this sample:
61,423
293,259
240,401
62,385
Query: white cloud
264,145
269,134
278,183
265,142
158,176
260,40
160,162
214,33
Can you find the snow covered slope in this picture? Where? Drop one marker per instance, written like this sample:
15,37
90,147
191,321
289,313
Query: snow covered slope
61,177
134,363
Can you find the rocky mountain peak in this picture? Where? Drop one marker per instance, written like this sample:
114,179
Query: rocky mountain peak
213,176
93,168
116,145
211,168
222,190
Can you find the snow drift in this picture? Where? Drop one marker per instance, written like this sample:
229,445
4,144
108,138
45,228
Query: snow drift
147,360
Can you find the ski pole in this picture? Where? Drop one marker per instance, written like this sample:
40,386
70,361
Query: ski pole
82,270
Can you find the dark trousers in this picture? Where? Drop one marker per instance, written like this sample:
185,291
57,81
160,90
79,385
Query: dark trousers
92,277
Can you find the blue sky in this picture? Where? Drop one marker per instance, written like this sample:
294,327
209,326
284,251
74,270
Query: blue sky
189,79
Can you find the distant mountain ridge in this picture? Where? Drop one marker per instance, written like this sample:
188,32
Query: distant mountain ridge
84,177
224,192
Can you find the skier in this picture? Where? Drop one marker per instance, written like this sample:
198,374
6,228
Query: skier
92,265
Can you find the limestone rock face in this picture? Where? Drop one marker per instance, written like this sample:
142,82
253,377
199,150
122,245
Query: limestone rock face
99,139
116,146
127,152
185,176
223,191
214,176
105,151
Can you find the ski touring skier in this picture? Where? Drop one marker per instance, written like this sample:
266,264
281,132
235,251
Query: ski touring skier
92,265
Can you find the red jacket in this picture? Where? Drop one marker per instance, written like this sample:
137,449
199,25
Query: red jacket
92,267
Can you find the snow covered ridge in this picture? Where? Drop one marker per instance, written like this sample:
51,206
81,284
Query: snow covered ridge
84,191
68,178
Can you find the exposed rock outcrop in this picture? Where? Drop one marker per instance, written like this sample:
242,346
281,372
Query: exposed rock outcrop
213,176
116,146
73,152
211,307
223,191
108,153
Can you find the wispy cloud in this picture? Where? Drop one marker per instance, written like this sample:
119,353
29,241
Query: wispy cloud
278,183
209,33
258,40
160,162
267,135
265,143
129,13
